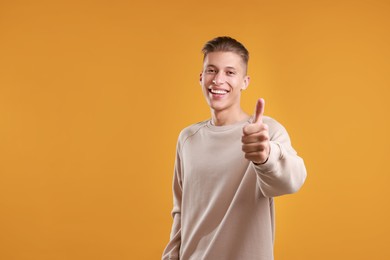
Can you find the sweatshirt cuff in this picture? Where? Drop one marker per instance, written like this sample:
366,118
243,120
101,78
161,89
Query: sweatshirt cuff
271,164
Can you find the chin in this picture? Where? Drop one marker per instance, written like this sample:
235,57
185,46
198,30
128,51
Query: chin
218,107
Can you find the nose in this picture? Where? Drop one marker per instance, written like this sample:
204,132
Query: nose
219,79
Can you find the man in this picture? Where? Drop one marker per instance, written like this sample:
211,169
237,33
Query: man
229,168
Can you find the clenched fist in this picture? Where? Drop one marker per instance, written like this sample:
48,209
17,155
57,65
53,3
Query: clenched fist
255,139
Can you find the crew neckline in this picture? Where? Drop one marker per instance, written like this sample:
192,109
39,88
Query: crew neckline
227,127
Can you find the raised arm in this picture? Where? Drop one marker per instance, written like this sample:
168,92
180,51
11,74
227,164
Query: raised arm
267,145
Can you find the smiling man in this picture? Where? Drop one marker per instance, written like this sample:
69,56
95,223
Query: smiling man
229,168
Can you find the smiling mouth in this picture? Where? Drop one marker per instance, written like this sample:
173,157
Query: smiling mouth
218,91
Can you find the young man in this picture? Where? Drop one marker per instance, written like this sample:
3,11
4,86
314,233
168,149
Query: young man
229,168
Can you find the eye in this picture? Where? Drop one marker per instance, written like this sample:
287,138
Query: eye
210,70
230,73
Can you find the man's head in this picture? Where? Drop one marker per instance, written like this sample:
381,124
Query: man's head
226,44
224,73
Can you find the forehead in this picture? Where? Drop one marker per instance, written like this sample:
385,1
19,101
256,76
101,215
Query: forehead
224,59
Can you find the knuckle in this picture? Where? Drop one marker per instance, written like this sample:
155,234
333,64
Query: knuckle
264,137
246,129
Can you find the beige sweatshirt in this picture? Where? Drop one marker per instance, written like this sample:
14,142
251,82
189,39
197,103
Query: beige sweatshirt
223,204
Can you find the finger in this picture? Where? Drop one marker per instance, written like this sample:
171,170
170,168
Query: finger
257,157
259,111
254,138
251,129
254,147
254,128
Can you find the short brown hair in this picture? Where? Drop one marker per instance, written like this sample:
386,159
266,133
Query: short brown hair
226,43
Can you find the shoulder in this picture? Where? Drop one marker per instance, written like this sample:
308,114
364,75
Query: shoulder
191,130
272,123
276,129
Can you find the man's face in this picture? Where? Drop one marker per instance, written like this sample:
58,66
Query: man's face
222,79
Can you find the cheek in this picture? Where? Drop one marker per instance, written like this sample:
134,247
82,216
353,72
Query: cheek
206,82
203,83
204,87
235,84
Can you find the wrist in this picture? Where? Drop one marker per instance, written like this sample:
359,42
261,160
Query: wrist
255,163
266,160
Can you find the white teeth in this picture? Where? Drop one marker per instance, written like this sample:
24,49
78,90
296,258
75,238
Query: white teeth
218,91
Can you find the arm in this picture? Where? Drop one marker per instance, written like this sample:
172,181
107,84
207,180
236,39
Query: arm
172,250
284,171
267,145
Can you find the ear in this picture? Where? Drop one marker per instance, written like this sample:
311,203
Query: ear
246,83
200,78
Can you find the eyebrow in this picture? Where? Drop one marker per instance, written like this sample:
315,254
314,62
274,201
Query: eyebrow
227,67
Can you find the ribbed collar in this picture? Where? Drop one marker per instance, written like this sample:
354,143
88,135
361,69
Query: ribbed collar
228,127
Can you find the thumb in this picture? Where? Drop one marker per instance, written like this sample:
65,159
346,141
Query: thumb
259,111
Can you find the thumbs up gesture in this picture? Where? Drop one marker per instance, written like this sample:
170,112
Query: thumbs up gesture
255,139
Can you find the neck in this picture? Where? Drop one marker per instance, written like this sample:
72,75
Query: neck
226,117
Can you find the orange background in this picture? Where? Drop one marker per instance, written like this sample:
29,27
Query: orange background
94,93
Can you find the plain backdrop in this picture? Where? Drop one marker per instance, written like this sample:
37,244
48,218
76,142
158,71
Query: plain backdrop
93,95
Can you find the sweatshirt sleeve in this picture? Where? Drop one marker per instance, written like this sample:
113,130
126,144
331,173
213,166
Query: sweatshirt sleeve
172,250
284,172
